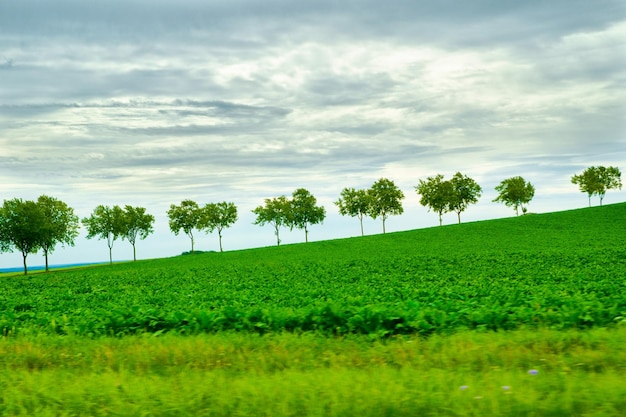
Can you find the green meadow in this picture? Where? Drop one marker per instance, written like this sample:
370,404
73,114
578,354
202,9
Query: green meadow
522,316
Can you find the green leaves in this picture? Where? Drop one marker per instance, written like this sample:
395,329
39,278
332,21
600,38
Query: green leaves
305,212
385,200
277,212
188,216
354,203
382,200
436,194
218,216
515,192
300,212
185,217
597,180
32,225
442,196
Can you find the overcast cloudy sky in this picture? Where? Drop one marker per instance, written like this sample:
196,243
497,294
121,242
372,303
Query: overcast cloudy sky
149,102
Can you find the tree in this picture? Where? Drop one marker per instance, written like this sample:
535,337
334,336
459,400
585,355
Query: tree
385,200
436,194
185,217
137,224
21,223
105,223
354,203
465,191
304,211
218,216
515,192
59,224
597,180
277,212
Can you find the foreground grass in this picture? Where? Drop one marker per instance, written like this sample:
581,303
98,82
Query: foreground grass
575,373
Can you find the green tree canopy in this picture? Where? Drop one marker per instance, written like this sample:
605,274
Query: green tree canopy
436,194
305,212
137,224
354,203
465,191
386,200
105,223
277,212
59,224
218,216
185,217
21,225
515,192
597,180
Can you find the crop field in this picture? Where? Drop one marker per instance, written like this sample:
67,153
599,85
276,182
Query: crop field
562,270
517,316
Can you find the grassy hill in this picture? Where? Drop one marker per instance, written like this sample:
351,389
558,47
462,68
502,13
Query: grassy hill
560,270
524,316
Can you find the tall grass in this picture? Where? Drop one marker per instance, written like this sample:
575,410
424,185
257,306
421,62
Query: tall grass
572,373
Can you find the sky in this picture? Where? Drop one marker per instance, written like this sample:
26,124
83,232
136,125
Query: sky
150,102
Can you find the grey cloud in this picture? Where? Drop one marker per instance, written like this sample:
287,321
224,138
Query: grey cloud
476,22
175,108
7,64
334,89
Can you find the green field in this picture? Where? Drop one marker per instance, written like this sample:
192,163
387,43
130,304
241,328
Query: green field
449,320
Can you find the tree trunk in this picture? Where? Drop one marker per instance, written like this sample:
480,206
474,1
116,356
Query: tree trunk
384,231
45,252
134,253
458,213
24,255
306,234
110,241
276,228
361,219
440,222
219,233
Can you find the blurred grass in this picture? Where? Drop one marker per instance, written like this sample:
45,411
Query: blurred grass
236,374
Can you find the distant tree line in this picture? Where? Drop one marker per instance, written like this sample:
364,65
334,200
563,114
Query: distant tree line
29,226
189,216
111,223
299,211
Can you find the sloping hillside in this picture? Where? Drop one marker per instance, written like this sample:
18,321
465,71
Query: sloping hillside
560,270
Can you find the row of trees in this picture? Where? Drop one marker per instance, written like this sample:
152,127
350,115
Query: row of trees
189,216
598,180
440,196
111,223
299,211
30,226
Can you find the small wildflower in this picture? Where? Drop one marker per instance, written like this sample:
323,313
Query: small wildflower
533,372
478,397
463,387
506,387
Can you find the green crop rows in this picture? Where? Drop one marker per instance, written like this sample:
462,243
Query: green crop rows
559,270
